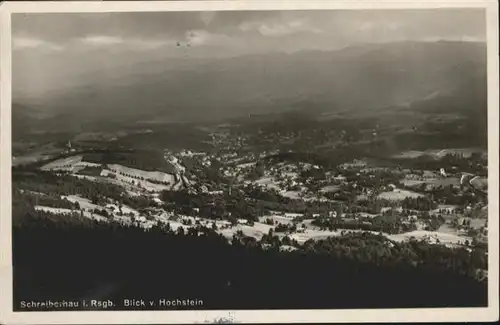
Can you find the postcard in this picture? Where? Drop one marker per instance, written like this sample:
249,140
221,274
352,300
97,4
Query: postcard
249,162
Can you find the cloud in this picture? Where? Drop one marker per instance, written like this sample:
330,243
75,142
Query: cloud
203,37
238,32
100,40
151,44
275,29
379,27
22,43
131,43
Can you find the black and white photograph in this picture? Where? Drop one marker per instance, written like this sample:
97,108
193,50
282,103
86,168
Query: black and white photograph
249,159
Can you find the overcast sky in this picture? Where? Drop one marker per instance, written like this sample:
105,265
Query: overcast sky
240,32
50,48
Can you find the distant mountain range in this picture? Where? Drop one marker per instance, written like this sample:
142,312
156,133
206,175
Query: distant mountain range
419,75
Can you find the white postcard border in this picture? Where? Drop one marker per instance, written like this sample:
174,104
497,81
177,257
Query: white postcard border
238,316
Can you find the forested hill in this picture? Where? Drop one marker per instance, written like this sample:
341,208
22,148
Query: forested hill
56,257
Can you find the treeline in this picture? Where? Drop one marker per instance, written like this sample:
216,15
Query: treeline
329,162
378,224
36,165
50,183
148,160
475,163
373,205
451,196
53,201
61,258
48,187
419,203
90,171
229,207
248,203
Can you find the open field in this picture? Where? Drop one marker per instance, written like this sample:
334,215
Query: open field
71,164
134,183
86,214
83,202
481,183
28,159
441,181
444,238
267,182
156,176
291,194
398,195
330,188
276,219
412,182
438,153
445,235
446,181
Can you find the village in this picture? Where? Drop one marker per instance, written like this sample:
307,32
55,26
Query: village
298,201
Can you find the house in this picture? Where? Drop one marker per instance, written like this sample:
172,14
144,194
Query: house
332,214
141,219
293,215
412,218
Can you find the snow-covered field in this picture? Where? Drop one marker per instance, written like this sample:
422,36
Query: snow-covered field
276,218
432,181
110,208
72,164
398,195
53,210
283,215
330,188
86,214
438,153
367,215
291,194
258,230
412,182
28,159
445,181
156,176
90,178
83,202
127,181
126,210
268,182
246,165
444,238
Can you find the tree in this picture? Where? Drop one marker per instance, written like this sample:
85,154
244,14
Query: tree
180,231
